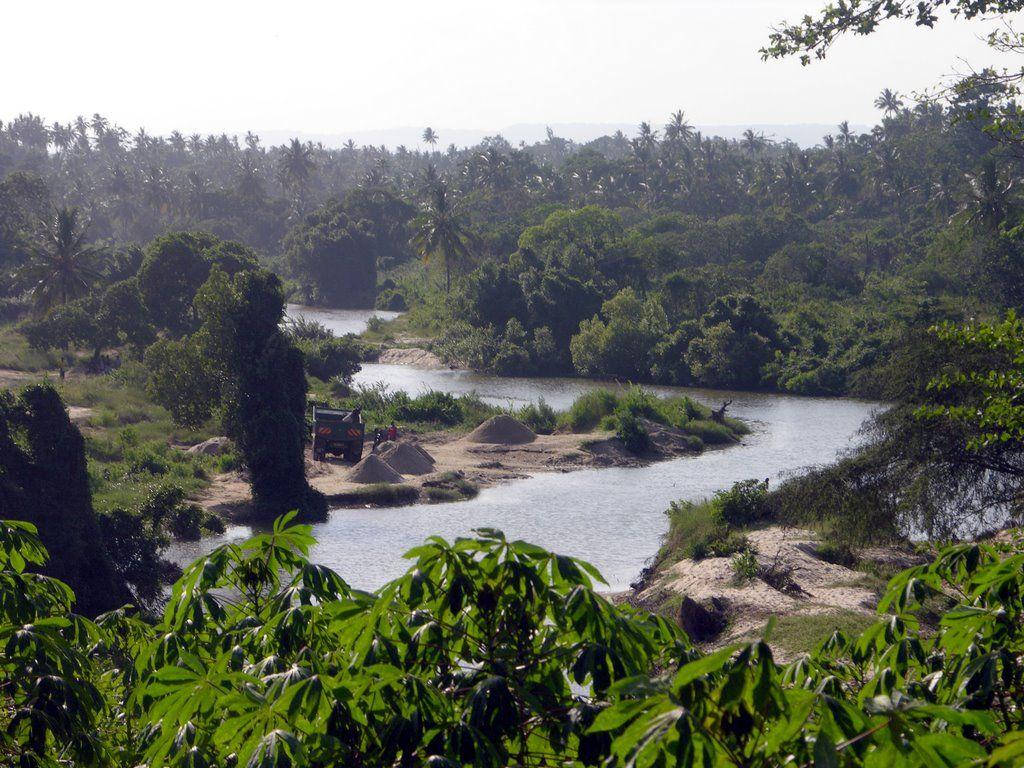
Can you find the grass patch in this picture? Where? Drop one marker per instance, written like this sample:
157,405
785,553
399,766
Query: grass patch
451,486
378,495
16,354
710,432
621,412
426,412
802,633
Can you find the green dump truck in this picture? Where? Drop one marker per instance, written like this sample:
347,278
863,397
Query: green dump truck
339,433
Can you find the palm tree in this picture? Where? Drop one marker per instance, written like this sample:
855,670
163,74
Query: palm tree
250,187
441,233
889,102
753,142
647,138
295,167
677,128
845,133
61,266
990,196
430,136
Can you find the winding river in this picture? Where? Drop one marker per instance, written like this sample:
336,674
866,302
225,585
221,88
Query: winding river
612,517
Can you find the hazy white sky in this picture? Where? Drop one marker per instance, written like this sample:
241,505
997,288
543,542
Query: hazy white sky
222,65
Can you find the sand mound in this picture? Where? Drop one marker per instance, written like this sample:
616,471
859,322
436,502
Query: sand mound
407,459
373,469
502,429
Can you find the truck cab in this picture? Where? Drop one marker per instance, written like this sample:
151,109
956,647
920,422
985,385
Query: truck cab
338,432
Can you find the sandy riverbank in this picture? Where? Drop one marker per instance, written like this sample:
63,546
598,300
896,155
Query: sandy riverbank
482,464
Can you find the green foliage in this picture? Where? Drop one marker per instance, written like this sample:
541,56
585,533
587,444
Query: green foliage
490,652
744,567
377,495
539,416
621,344
738,338
174,268
987,402
746,503
631,432
697,531
179,380
333,358
332,256
588,410
429,410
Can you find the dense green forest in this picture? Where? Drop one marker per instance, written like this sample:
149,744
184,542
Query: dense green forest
147,278
669,256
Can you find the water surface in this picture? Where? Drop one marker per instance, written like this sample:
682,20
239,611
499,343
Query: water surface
613,517
340,321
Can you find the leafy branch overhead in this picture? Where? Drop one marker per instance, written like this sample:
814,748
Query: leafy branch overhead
813,36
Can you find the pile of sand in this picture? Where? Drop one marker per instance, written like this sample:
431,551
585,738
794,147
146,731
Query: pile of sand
502,429
408,459
373,469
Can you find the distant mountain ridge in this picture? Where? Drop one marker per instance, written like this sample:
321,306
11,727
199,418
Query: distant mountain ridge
803,134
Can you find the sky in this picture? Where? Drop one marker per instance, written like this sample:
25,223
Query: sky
354,65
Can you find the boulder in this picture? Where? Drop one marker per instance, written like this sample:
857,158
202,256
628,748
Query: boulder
215,446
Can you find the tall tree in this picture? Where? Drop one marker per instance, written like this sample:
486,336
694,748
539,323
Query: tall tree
442,232
62,265
889,102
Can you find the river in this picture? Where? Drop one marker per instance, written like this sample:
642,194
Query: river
612,517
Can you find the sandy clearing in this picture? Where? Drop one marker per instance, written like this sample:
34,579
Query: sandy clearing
827,587
79,414
10,378
414,356
482,464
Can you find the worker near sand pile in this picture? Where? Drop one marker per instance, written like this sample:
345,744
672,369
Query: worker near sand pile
392,432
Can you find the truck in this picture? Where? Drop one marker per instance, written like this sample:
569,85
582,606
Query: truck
340,433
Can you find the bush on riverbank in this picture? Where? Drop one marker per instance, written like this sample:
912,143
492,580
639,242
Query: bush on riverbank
377,495
621,413
432,410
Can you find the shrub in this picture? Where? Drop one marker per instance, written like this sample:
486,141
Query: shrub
301,328
746,503
539,416
587,410
377,494
333,357
720,543
710,432
744,567
639,402
837,553
631,432
433,406
186,522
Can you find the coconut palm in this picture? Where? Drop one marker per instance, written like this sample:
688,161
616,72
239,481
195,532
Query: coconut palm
889,101
250,186
990,196
430,136
61,265
296,166
753,142
677,128
442,233
845,133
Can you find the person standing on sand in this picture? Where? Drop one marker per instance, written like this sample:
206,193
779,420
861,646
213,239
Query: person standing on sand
392,432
